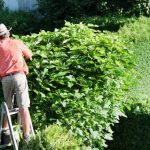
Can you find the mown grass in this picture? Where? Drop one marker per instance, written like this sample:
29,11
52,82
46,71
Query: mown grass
133,132
137,35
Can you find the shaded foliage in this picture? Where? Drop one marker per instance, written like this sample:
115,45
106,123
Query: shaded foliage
54,12
132,133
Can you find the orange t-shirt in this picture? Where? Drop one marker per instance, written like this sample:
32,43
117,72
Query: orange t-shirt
12,53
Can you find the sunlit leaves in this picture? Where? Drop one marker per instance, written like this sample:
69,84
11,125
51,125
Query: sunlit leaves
76,78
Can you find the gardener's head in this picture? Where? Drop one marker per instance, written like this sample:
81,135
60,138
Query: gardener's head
4,32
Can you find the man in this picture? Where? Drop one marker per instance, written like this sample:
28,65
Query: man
13,71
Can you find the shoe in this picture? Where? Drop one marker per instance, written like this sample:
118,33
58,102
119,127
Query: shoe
6,138
27,138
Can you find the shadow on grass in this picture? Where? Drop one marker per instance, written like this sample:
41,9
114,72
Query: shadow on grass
132,133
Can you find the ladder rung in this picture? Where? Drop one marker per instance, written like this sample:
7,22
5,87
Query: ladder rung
14,109
12,113
14,131
5,145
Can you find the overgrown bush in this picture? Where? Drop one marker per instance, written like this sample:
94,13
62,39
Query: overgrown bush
78,78
53,138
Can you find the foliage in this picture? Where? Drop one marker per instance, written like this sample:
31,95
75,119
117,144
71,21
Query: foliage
133,133
78,78
52,138
140,7
110,23
54,12
128,7
1,4
136,31
22,23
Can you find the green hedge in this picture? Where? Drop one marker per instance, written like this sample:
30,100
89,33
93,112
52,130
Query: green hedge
78,78
132,133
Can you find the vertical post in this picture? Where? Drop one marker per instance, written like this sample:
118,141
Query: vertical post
1,121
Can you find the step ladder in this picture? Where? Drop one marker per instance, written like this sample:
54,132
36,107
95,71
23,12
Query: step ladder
14,137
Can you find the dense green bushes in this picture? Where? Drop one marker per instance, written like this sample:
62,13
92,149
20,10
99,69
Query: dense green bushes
53,138
78,78
51,106
110,23
54,12
22,23
132,133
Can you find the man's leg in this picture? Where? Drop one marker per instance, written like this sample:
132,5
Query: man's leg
25,119
5,122
8,95
23,101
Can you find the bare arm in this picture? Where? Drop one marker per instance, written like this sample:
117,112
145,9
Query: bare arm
27,53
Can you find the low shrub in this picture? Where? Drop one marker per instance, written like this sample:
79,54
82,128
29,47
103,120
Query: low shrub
53,138
132,133
136,31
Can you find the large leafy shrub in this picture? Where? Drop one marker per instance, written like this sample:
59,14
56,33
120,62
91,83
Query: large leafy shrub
52,138
78,78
